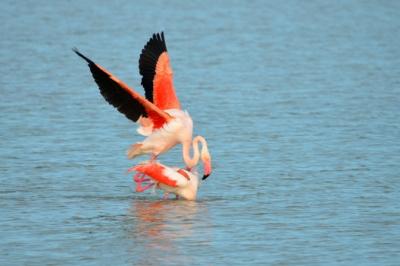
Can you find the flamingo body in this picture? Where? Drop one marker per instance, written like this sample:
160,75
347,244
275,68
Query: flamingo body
174,180
177,130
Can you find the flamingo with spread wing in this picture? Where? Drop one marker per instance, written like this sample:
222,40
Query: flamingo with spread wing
159,113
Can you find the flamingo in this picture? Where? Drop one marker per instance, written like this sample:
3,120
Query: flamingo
159,115
179,181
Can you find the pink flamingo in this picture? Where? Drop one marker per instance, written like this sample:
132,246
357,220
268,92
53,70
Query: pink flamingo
181,182
159,113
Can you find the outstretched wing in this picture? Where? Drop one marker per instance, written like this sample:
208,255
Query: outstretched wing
126,100
163,174
157,76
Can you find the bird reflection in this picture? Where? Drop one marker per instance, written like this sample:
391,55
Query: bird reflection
158,227
164,218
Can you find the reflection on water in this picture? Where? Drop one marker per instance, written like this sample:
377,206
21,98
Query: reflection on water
161,226
164,219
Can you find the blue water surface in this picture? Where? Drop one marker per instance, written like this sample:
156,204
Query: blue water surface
299,101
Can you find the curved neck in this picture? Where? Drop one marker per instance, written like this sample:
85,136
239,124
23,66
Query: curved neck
191,161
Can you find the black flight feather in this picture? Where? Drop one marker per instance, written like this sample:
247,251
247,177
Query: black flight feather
114,93
148,61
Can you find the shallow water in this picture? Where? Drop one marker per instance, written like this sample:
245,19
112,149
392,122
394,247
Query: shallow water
299,102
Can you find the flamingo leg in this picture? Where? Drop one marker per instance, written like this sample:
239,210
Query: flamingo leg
139,187
153,158
140,178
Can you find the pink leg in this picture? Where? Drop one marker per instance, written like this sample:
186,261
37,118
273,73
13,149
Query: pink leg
153,158
140,177
139,187
166,194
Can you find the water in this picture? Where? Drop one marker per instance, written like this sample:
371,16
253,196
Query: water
299,102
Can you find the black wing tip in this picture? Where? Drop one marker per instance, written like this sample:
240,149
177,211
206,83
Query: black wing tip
158,40
81,55
154,47
163,40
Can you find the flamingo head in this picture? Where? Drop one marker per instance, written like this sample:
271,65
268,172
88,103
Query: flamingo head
206,158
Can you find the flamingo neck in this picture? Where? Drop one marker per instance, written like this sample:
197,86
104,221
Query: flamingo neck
192,161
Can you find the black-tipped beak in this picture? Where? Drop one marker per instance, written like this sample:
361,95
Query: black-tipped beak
205,177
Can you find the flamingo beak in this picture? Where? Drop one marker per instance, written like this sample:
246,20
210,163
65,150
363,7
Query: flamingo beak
207,169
